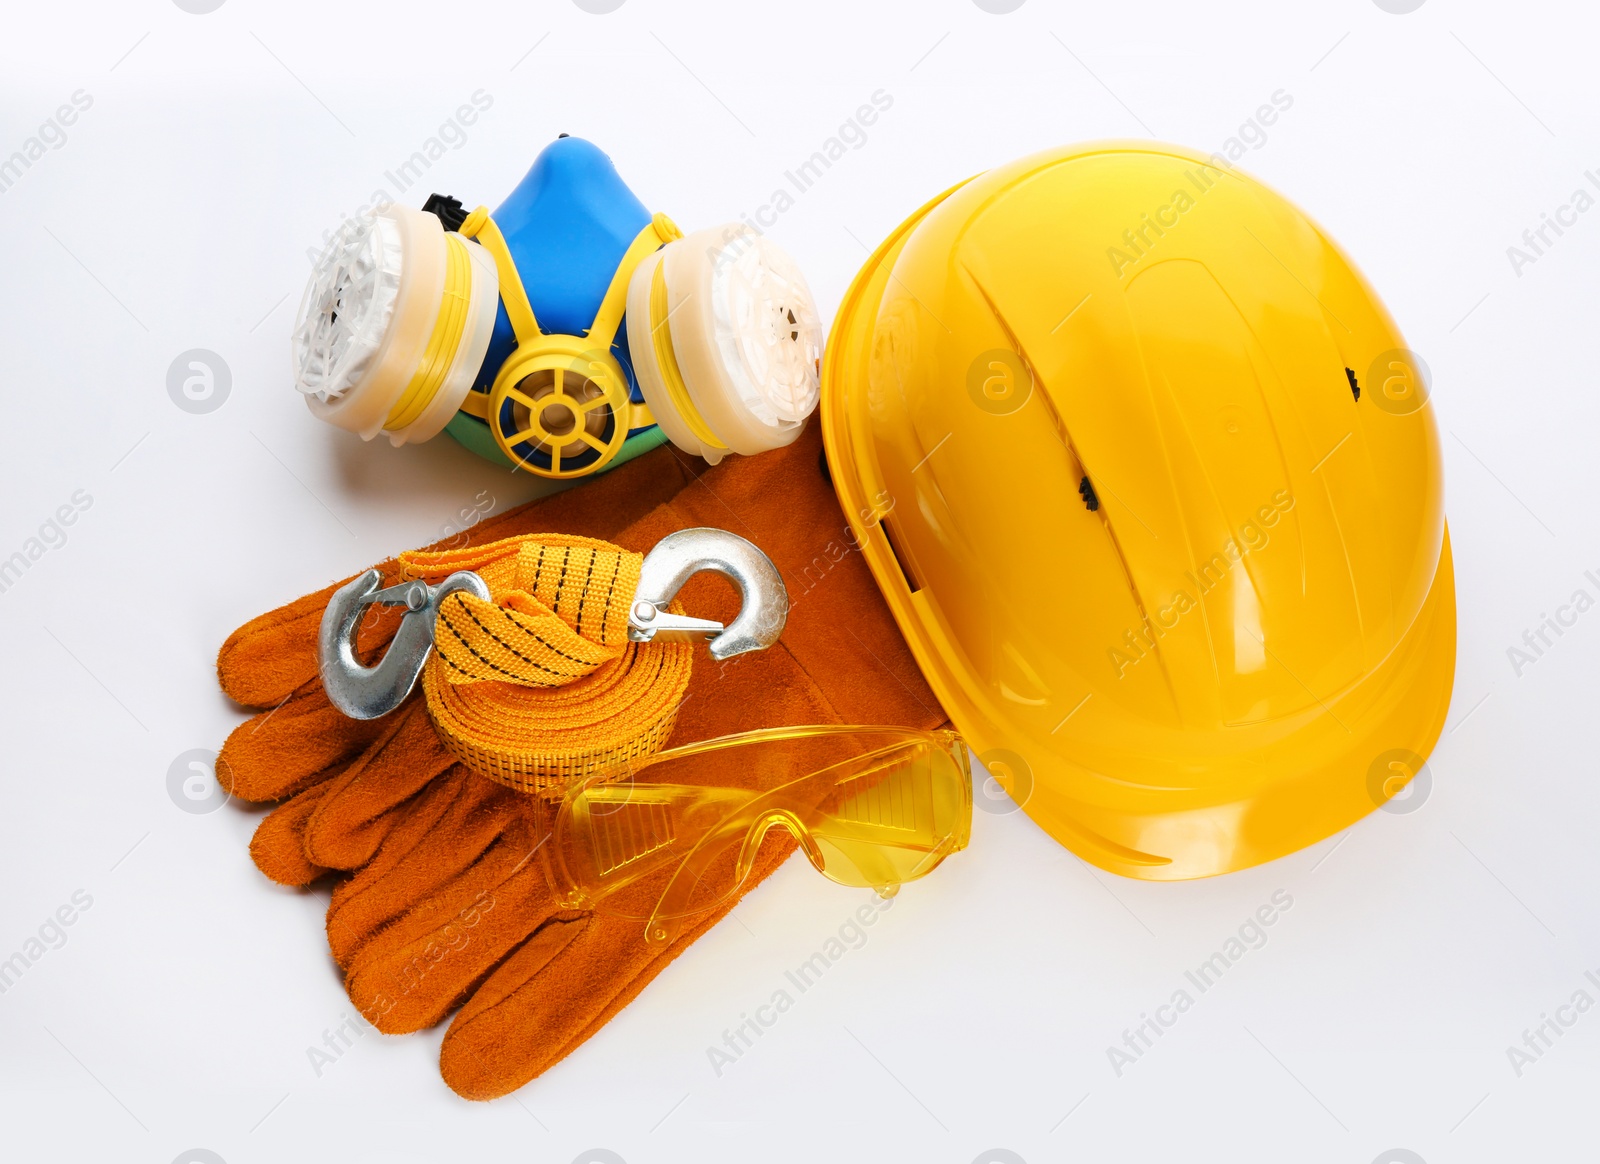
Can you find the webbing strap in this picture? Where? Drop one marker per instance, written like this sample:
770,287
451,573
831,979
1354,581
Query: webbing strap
540,685
519,311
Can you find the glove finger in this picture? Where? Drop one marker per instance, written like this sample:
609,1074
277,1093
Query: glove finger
457,818
366,800
484,1055
489,861
354,912
272,655
278,847
275,754
565,983
459,939
255,665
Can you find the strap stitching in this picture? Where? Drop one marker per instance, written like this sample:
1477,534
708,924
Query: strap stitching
517,653
616,569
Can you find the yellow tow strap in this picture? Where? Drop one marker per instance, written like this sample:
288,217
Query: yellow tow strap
540,686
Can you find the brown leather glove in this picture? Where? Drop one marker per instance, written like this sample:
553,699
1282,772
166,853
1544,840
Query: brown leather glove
447,905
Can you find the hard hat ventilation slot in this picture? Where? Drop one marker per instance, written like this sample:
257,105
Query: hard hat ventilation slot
1355,388
912,583
1090,498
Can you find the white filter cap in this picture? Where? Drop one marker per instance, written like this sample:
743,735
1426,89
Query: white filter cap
369,313
347,307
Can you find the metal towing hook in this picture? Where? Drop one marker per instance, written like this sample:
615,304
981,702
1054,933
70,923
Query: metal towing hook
363,692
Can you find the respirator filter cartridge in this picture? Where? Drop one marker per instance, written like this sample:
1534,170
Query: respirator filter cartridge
394,325
726,342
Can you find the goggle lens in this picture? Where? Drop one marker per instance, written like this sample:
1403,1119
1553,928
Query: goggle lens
677,835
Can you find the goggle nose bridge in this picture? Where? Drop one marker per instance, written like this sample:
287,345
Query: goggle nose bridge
757,832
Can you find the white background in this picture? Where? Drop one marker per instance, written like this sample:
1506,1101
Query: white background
178,214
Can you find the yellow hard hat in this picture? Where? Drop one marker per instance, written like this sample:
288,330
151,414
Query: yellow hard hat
1152,487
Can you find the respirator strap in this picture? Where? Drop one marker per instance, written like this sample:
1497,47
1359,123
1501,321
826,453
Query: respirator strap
481,227
661,231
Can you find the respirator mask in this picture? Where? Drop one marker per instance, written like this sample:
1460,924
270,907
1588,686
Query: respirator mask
564,333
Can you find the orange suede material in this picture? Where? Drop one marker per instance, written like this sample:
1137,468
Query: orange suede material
416,931
293,746
357,911
448,903
278,848
345,830
537,1007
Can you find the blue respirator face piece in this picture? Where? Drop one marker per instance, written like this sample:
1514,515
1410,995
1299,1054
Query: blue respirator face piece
571,219
567,331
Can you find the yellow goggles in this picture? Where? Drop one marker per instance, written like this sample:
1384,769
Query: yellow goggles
678,832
